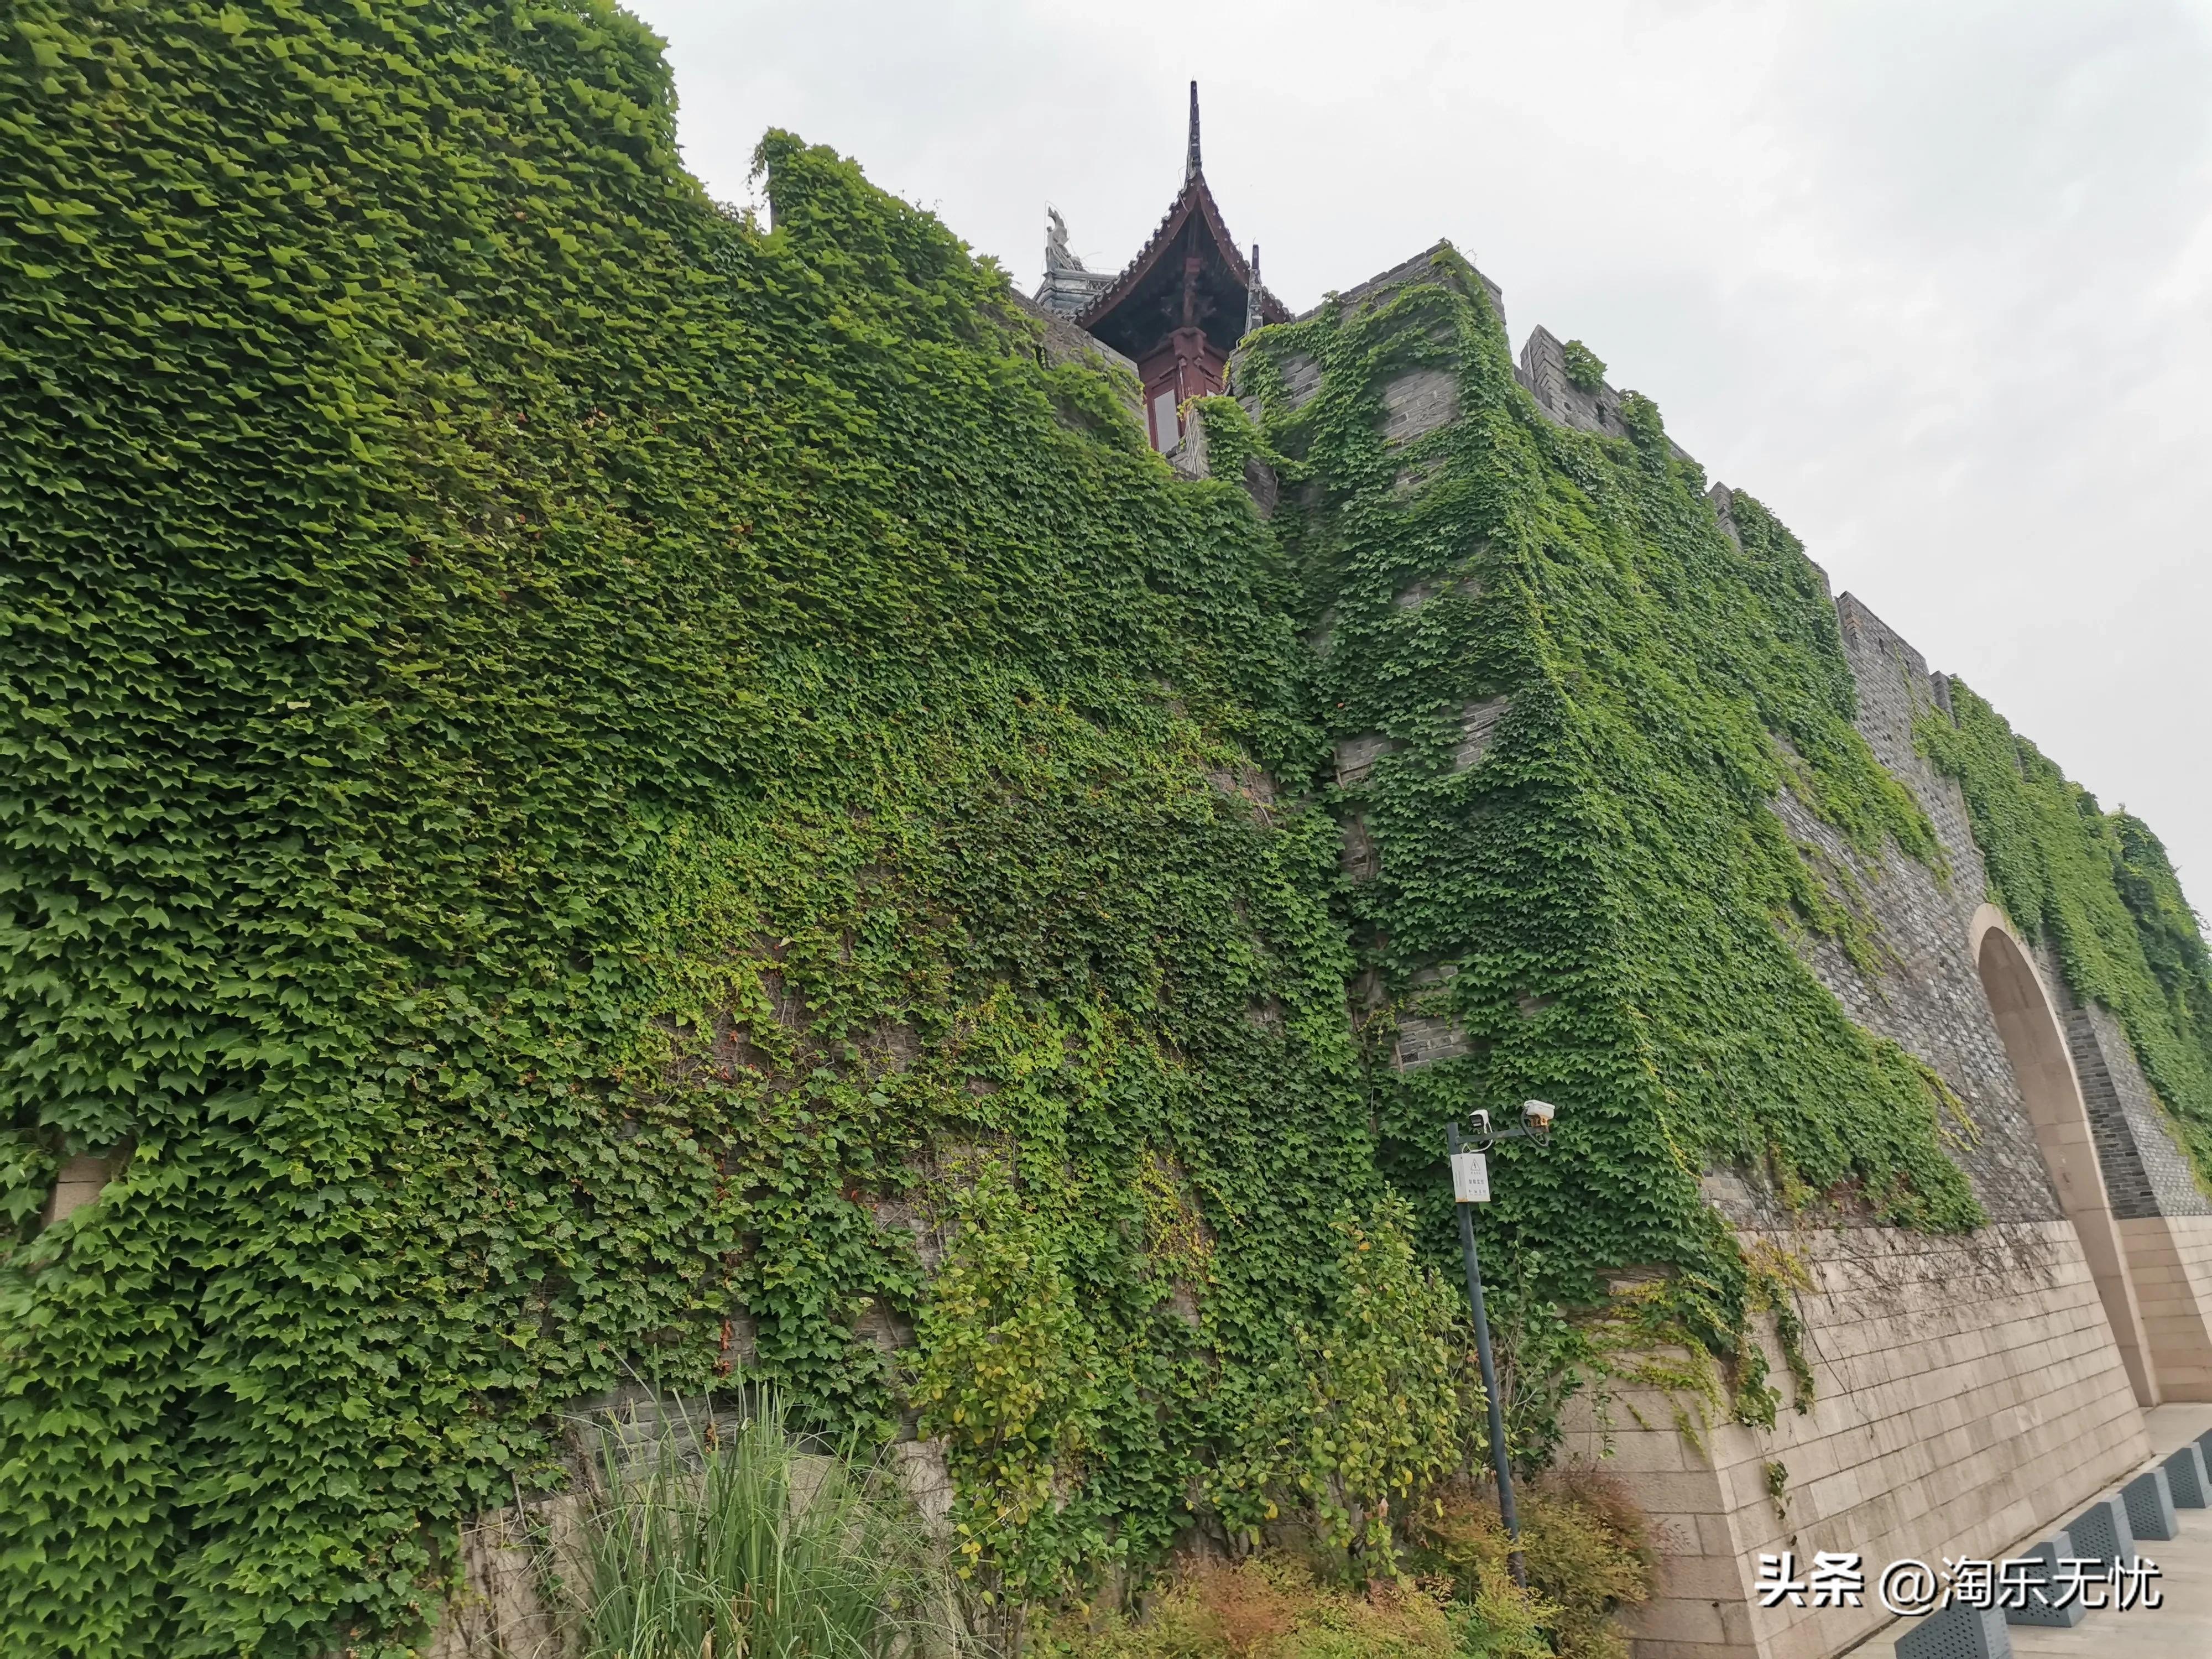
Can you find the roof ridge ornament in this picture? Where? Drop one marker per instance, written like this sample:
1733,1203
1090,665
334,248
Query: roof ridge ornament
1252,294
1057,254
1190,166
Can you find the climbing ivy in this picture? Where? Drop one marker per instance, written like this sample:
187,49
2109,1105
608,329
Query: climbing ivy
1367,1410
596,789
1603,903
570,757
2095,886
1585,369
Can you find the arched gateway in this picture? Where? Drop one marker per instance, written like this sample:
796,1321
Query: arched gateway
2036,1045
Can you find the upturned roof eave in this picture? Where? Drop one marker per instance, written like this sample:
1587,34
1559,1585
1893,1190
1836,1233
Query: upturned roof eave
1194,198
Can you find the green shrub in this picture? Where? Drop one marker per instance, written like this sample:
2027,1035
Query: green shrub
1586,1548
1274,1606
1373,1403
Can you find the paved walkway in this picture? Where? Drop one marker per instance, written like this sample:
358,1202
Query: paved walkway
2180,1629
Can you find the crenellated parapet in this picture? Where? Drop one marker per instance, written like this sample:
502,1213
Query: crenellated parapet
1587,406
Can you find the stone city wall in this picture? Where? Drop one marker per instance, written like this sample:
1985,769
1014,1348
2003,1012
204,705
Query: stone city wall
1968,1389
2146,1172
1929,998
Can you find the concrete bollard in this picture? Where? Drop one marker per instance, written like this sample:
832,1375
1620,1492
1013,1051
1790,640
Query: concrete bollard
2100,1533
2039,1610
2150,1506
2188,1479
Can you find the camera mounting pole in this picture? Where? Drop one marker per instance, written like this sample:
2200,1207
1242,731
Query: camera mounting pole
1470,1187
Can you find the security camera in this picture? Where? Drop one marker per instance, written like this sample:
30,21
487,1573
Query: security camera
1481,1121
1538,1115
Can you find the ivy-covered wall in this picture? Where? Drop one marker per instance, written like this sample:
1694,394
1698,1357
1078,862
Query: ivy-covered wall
564,752
1584,696
596,790
2098,888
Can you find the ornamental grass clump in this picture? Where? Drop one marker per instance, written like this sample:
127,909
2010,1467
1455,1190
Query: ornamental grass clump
711,1537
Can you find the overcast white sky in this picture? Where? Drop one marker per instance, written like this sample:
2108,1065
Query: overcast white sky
1933,278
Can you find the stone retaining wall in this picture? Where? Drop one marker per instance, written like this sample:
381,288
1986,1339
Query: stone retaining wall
1967,1391
2170,1260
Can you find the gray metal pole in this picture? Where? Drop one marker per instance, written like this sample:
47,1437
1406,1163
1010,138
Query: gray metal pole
1497,1451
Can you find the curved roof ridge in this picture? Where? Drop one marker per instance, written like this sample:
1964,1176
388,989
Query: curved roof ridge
1194,199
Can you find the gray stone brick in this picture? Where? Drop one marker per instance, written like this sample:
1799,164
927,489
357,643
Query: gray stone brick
1356,756
1301,379
1929,998
1360,860
1424,1039
1418,401
2146,1172
1478,726
1544,372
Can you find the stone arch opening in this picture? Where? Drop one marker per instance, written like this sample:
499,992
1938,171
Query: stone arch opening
2035,1042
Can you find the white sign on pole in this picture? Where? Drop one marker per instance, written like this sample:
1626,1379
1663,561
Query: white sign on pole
1470,1178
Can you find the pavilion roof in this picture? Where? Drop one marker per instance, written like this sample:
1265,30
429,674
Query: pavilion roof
1193,206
